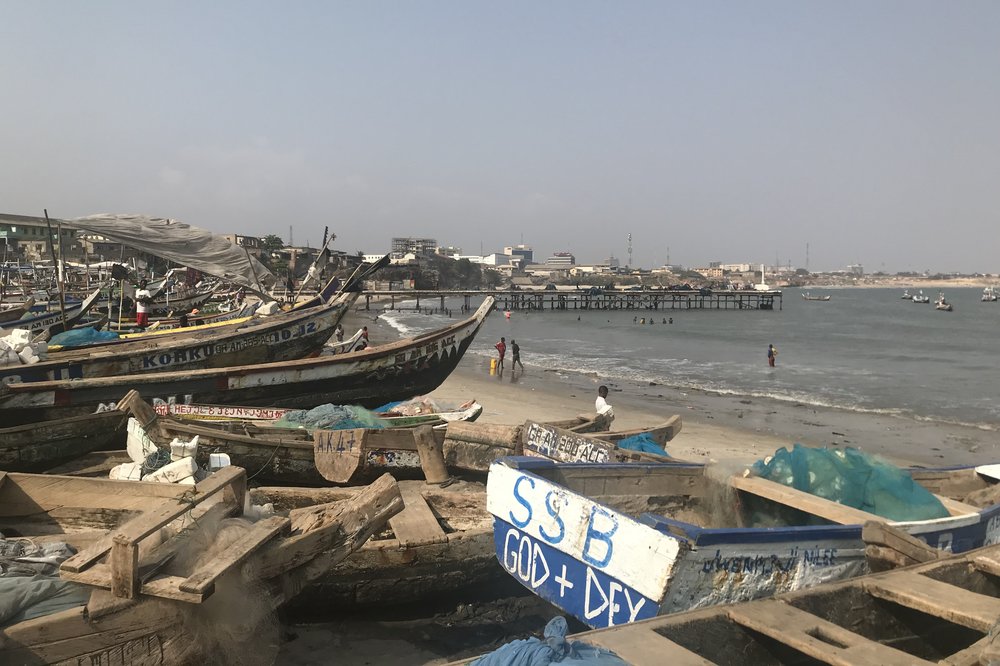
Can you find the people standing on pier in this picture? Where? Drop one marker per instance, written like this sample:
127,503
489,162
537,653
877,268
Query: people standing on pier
515,355
501,350
772,353
142,300
601,404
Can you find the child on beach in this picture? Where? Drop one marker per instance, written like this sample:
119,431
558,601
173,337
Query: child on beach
601,404
501,350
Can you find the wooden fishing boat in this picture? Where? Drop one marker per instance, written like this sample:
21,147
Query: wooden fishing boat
34,447
283,336
806,296
13,312
158,326
299,456
440,544
174,563
611,544
942,612
370,378
260,418
53,322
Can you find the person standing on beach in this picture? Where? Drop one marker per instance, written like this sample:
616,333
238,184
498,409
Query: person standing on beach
515,355
339,332
501,350
772,353
601,404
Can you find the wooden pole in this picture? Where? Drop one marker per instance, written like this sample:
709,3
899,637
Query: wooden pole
52,252
431,455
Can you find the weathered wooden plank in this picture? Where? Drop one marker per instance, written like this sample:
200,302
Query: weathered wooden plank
431,456
159,513
824,508
955,507
972,655
987,562
203,579
339,454
124,567
816,637
341,527
892,545
933,597
638,646
161,585
416,524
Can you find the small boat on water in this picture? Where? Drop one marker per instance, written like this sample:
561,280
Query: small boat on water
942,304
906,295
611,544
921,298
941,612
989,295
806,296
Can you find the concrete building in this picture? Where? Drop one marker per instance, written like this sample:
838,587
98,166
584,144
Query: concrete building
561,260
856,269
25,238
252,244
417,246
525,252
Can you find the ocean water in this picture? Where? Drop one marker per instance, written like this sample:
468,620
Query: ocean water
865,350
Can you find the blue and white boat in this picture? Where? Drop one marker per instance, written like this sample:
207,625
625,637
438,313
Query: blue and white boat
616,543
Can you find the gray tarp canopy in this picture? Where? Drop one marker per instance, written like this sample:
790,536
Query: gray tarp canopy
180,243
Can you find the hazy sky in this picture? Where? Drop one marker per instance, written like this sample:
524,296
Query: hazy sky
736,131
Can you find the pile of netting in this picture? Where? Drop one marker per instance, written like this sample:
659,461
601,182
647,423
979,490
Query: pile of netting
330,417
643,442
852,478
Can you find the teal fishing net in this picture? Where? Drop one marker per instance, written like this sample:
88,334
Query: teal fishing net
852,478
330,417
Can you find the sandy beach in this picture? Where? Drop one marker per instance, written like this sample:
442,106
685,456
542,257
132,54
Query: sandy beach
719,429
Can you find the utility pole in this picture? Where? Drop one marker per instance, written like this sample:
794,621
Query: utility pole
630,250
807,257
290,243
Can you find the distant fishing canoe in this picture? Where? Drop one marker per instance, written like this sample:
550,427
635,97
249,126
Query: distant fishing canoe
282,336
375,376
53,321
612,544
10,312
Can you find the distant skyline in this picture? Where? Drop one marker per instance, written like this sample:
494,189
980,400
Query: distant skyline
733,132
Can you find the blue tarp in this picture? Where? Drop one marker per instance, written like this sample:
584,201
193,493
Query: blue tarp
553,649
852,478
644,443
82,336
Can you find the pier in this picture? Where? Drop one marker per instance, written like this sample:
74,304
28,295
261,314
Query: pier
582,299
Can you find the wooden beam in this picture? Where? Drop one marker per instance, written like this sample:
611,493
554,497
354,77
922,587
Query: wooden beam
948,602
893,547
956,508
638,646
818,638
416,524
338,528
797,499
202,580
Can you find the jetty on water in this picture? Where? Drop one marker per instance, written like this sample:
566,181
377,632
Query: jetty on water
583,299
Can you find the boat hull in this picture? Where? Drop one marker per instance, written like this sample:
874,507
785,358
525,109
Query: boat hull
607,569
370,378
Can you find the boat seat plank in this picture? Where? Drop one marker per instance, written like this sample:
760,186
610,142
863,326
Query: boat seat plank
203,579
970,656
797,499
956,508
987,563
416,524
645,646
889,544
816,637
165,586
933,597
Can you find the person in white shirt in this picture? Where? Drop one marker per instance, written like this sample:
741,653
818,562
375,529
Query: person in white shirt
142,301
601,404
